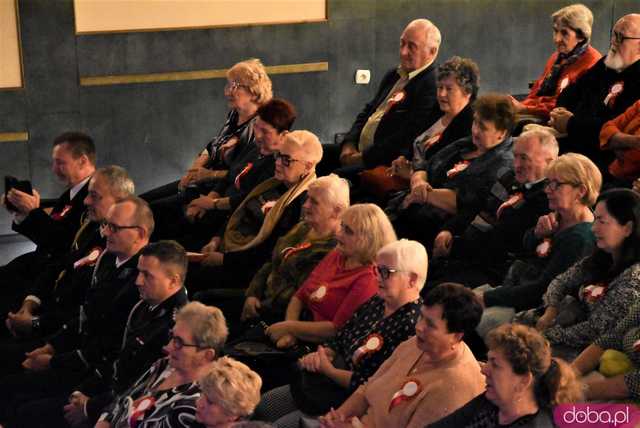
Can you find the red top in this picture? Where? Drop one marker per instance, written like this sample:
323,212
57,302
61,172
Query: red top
628,167
333,293
541,106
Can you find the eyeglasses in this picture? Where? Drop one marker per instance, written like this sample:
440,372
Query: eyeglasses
178,342
619,38
384,272
233,86
553,185
285,159
115,228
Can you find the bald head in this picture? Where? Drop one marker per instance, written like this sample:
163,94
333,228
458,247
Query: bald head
625,43
419,44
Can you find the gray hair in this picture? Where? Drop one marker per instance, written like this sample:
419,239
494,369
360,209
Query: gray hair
465,72
143,216
207,324
410,257
577,17
432,33
335,190
545,138
118,180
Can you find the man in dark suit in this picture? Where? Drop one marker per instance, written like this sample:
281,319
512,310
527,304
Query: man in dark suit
404,106
73,163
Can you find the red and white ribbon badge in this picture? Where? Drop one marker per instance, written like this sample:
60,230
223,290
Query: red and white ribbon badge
319,294
615,90
458,168
636,345
409,390
139,408
373,344
431,141
396,98
289,251
266,207
242,173
61,214
544,248
564,83
594,292
513,200
90,259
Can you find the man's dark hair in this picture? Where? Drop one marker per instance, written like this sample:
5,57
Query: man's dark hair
170,254
461,308
79,144
278,113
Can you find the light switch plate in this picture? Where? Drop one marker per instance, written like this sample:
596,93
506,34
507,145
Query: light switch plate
363,77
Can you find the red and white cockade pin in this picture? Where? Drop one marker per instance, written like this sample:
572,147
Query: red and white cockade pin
458,168
564,83
544,248
636,345
409,391
615,90
289,251
396,98
138,410
594,292
90,259
319,294
513,200
431,141
266,207
61,214
373,344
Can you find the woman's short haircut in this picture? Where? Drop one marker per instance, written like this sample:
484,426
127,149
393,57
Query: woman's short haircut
527,351
308,145
578,169
252,75
372,230
171,255
79,144
464,71
207,324
577,17
461,308
409,256
334,190
496,108
278,113
143,216
233,386
118,180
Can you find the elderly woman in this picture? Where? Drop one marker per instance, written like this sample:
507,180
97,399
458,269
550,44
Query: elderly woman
559,240
362,344
340,283
606,282
230,392
573,57
248,87
523,384
428,376
459,174
269,211
166,394
299,251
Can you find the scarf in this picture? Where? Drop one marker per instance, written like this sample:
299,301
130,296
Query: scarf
550,84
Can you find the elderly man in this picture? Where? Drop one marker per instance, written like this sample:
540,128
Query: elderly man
90,343
602,93
57,293
479,254
404,106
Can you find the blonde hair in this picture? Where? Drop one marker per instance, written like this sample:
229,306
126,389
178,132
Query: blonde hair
372,229
335,190
252,75
233,386
410,257
308,144
577,17
206,323
578,169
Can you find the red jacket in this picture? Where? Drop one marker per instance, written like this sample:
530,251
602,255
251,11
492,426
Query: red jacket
627,168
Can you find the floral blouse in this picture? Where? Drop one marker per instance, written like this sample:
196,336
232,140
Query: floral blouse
142,406
368,322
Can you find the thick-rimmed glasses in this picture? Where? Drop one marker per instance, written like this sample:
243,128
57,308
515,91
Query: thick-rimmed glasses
179,342
115,228
619,38
285,159
384,272
554,185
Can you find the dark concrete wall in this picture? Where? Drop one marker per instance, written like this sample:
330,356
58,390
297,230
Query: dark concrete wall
154,130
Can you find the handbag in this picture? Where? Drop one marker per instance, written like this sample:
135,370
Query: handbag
379,183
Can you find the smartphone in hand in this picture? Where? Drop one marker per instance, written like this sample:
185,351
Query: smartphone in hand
13,183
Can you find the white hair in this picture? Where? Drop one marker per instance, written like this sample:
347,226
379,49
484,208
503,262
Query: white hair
410,257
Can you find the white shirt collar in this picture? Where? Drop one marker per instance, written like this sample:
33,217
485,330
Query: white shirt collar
75,189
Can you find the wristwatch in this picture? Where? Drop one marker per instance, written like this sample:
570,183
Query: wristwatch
35,323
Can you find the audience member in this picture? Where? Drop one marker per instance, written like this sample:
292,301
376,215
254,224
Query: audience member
230,392
298,252
428,376
481,254
558,241
404,105
606,282
574,55
361,345
605,91
622,136
460,175
523,384
167,393
340,283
